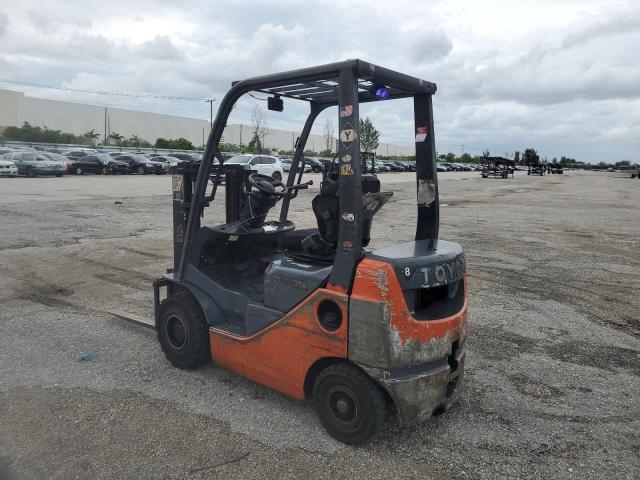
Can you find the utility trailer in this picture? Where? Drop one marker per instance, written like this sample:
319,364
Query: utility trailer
537,169
497,167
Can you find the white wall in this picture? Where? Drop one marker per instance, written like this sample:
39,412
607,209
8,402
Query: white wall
16,108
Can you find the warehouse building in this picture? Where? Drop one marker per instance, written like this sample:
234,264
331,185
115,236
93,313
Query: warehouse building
17,108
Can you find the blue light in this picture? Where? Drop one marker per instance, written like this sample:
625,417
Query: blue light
382,93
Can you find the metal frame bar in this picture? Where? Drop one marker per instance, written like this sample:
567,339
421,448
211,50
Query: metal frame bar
348,250
427,226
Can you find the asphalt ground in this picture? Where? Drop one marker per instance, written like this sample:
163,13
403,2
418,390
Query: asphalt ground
552,387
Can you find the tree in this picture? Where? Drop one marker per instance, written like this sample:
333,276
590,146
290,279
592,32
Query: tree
174,144
91,135
260,128
449,157
486,153
328,134
530,157
369,136
134,140
31,133
116,137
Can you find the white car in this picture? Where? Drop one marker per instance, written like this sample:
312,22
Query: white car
264,164
287,161
8,169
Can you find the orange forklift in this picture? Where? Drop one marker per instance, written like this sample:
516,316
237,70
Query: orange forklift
314,313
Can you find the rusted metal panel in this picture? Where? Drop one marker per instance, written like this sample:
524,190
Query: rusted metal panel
419,363
383,333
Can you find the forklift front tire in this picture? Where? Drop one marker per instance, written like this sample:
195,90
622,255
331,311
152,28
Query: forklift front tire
350,405
183,332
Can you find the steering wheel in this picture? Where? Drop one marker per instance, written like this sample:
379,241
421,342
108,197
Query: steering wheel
267,184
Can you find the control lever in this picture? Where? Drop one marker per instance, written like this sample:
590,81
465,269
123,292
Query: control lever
301,186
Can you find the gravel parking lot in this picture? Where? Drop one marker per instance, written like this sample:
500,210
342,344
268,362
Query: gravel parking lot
552,386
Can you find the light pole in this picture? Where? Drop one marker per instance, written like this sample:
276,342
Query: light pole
210,102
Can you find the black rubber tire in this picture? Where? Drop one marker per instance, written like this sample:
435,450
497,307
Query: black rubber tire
277,176
58,175
194,351
342,382
105,171
141,171
79,171
31,172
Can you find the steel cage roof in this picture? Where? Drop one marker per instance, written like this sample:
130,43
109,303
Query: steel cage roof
320,84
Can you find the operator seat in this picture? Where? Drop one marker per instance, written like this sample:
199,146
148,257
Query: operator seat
326,208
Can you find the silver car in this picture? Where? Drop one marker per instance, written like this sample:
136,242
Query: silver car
33,164
8,168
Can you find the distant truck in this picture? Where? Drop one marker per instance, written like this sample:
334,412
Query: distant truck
497,167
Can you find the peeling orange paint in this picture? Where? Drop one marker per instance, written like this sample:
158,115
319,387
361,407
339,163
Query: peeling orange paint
377,281
280,356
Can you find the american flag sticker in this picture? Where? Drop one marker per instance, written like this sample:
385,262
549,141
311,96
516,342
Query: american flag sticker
346,111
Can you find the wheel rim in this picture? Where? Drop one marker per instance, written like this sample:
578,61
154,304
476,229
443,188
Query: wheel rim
105,171
345,408
141,170
79,171
176,332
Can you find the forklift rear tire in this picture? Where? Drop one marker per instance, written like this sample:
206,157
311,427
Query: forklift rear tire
351,406
183,332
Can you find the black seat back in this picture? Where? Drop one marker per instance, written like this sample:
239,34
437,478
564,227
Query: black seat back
326,208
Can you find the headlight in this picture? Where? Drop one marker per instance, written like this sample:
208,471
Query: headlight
149,164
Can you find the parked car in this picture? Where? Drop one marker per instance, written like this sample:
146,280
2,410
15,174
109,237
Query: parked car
450,167
32,164
393,167
116,153
288,161
326,162
404,167
411,166
58,157
54,150
8,168
141,164
169,162
314,163
78,153
264,164
188,157
99,164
